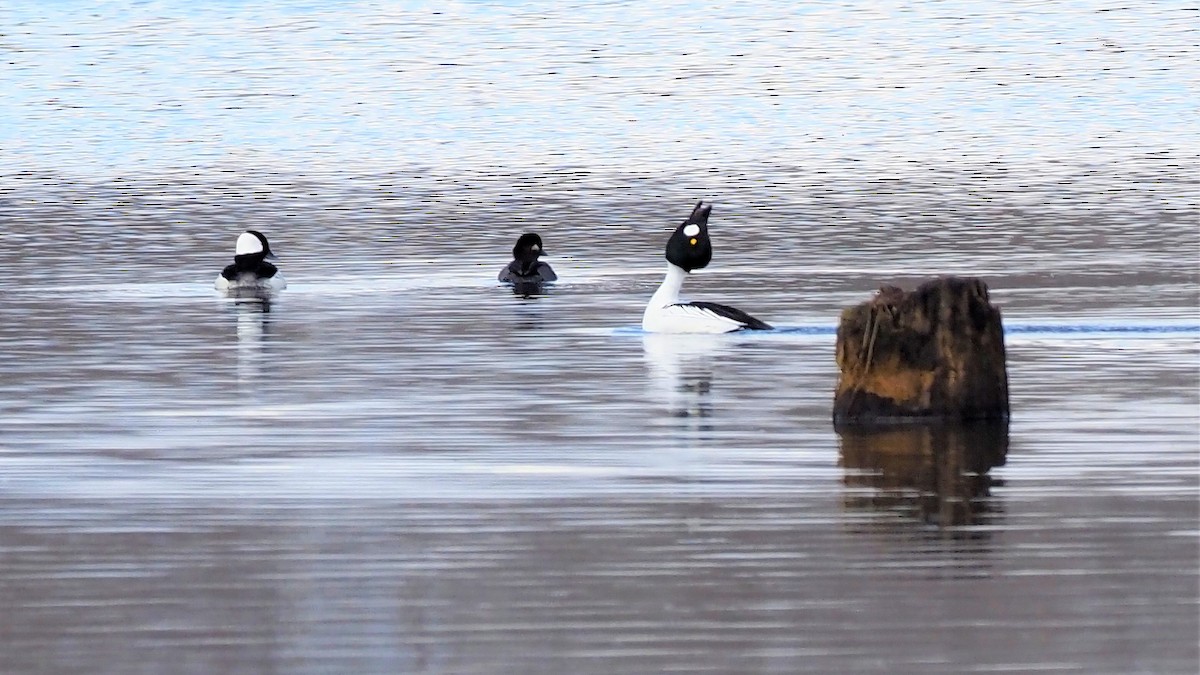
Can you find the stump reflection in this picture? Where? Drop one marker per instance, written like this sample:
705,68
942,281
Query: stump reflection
937,473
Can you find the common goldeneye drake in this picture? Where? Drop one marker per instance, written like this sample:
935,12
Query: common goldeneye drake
525,267
689,248
250,271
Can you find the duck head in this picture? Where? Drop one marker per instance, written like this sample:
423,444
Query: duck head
689,247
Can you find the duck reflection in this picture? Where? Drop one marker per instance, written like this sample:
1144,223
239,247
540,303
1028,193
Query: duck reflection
935,473
253,329
681,373
528,313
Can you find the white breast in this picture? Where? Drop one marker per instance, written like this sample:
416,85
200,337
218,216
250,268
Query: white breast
665,314
686,319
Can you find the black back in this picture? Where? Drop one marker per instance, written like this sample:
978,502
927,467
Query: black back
748,322
691,251
251,262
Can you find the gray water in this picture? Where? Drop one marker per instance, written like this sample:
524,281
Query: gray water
400,466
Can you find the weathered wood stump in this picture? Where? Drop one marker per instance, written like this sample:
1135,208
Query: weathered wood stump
933,353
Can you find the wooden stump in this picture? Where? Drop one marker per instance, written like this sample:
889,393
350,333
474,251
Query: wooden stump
933,353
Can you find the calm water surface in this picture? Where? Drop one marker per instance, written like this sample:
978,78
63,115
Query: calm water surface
400,466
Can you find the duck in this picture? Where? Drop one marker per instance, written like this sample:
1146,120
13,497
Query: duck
250,271
525,267
689,248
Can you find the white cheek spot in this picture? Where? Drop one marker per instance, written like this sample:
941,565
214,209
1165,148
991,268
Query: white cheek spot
248,243
691,230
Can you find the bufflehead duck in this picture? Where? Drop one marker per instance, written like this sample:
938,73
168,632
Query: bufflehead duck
689,249
250,271
525,267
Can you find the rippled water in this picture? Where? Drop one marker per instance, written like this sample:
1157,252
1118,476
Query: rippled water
400,466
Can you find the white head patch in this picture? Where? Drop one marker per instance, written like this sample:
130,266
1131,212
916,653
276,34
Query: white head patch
248,243
691,230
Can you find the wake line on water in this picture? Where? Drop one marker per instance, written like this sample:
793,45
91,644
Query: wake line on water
1184,329
1071,329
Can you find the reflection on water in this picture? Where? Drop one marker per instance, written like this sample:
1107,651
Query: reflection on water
253,331
529,311
938,474
680,369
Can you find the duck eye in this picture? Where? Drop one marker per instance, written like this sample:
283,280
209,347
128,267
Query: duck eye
693,241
